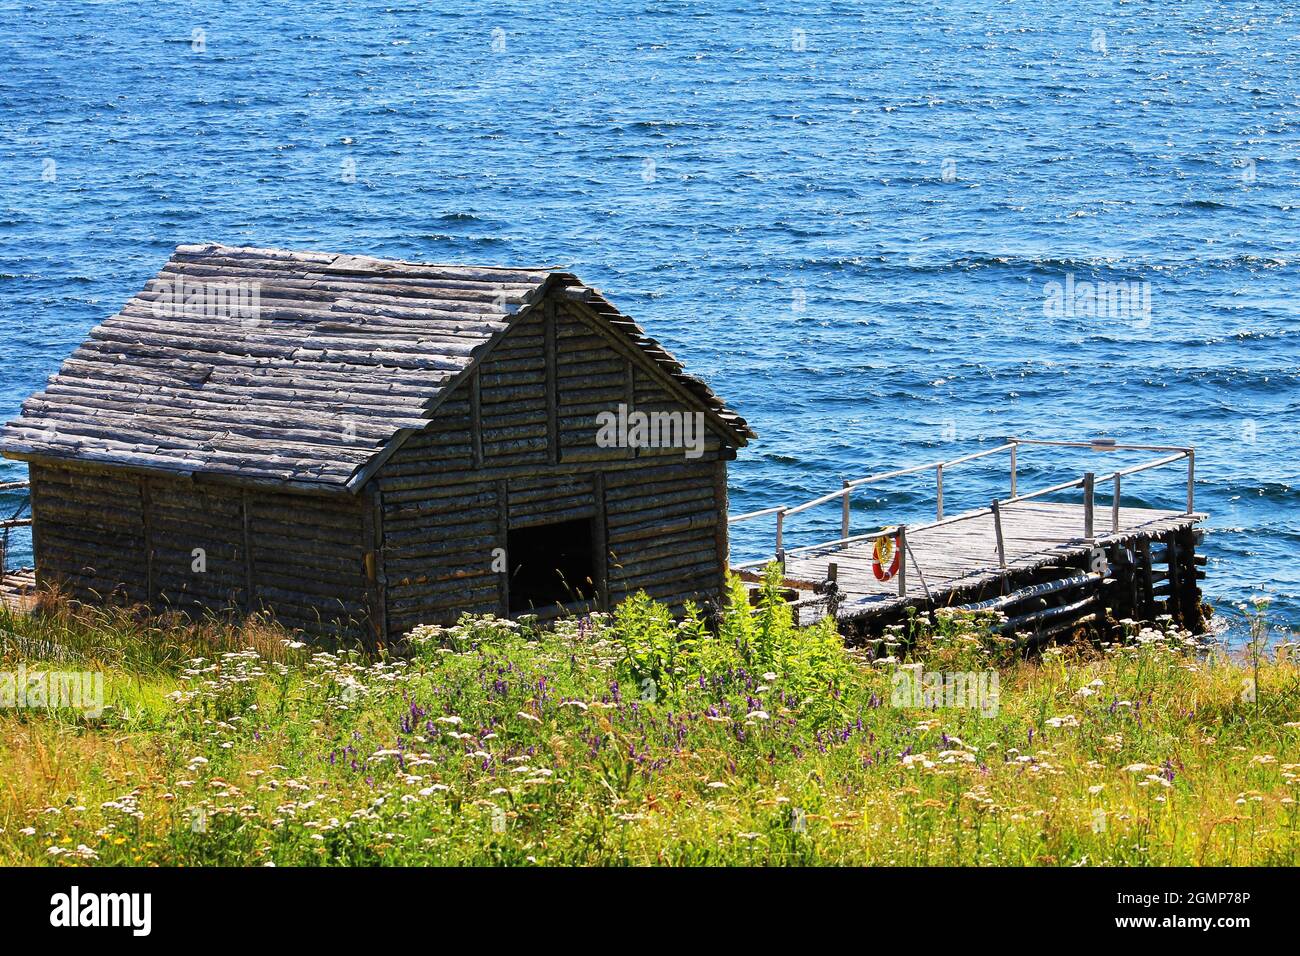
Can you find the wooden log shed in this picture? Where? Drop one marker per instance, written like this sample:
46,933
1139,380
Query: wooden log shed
361,445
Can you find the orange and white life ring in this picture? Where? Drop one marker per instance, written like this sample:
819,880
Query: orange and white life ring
886,557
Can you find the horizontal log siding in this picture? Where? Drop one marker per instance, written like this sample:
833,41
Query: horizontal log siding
548,499
650,396
662,521
591,377
95,537
442,516
512,398
183,517
438,541
447,448
88,532
309,560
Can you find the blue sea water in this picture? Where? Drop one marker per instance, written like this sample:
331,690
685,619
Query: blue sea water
846,217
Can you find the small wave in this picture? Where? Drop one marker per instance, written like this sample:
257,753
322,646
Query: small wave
1094,266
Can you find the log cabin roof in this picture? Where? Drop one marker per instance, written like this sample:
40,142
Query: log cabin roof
341,356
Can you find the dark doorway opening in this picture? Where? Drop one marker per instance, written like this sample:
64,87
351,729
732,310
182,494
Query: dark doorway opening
551,564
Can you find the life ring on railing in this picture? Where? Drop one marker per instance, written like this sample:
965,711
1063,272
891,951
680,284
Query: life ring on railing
886,557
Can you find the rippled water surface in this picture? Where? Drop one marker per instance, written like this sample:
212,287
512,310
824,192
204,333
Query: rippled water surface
843,216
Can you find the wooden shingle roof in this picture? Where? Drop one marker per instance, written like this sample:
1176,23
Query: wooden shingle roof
289,367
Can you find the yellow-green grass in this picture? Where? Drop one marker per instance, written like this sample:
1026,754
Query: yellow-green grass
639,740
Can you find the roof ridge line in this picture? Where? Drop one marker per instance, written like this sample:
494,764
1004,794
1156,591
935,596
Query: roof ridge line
193,248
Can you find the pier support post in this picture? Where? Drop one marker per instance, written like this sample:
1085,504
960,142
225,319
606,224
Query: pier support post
1174,563
1188,594
1122,582
1146,580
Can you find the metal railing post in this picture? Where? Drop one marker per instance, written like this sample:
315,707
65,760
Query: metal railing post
780,535
844,517
1013,469
1088,479
1114,507
1191,480
902,560
997,532
938,474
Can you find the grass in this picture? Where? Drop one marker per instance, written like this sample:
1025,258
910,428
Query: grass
635,739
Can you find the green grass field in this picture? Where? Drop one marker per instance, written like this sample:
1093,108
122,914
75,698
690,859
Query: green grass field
634,739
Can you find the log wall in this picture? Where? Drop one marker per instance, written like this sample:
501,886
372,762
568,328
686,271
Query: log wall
515,446
662,525
308,558
105,535
88,533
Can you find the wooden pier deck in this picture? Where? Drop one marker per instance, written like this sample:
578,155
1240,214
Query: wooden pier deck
950,564
1044,564
18,590
17,586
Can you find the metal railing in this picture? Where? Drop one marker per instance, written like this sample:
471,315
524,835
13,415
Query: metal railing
7,524
1087,483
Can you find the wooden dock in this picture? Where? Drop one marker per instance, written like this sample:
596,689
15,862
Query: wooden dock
18,590
1049,566
17,586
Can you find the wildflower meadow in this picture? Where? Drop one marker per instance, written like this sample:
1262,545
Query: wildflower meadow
636,738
